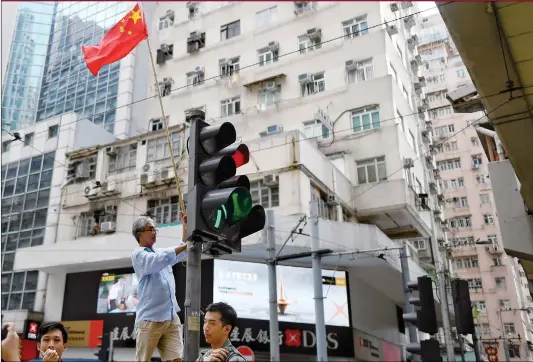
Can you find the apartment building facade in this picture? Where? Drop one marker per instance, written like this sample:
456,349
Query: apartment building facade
328,98
474,246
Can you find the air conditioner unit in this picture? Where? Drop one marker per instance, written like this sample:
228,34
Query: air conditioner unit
147,178
110,209
165,47
314,34
82,170
108,227
304,78
165,174
351,65
271,180
273,46
110,151
406,4
147,167
408,163
90,190
394,7
109,186
199,69
392,29
333,200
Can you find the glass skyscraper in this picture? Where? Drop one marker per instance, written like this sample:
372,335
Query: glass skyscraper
27,59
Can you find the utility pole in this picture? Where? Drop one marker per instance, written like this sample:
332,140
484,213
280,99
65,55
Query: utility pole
272,287
321,344
409,308
192,301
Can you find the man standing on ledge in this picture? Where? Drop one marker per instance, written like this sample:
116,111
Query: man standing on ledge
157,323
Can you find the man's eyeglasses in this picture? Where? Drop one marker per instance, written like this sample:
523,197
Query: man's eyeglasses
152,230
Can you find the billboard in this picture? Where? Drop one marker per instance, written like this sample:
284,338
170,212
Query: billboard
117,293
244,286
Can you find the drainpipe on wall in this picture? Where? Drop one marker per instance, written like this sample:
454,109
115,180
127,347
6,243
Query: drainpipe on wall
493,134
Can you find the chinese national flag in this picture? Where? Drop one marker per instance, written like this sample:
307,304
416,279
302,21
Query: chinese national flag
118,42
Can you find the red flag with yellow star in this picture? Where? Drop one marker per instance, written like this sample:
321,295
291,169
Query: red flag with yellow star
117,42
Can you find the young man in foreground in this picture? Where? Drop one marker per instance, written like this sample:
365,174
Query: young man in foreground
219,321
52,340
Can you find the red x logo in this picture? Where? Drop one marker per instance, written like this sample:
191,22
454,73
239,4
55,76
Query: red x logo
33,327
339,310
293,338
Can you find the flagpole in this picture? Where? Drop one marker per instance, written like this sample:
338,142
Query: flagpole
169,141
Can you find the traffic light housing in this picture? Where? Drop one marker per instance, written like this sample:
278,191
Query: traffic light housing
429,350
464,319
103,348
220,210
426,317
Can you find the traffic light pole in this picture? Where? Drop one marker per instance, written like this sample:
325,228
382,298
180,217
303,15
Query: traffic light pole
409,308
192,301
444,311
321,343
272,287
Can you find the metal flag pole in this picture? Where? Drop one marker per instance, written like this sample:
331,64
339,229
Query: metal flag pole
169,141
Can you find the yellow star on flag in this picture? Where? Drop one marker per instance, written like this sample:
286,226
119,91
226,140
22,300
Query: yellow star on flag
123,21
129,32
135,15
121,29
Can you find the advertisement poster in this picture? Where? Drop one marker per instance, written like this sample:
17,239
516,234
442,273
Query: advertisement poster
245,286
84,333
117,294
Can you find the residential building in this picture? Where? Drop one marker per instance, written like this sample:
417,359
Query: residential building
315,115
474,241
32,175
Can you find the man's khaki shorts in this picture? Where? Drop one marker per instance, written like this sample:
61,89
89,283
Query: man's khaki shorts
166,336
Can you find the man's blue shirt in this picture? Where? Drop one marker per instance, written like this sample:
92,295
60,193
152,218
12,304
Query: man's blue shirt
157,289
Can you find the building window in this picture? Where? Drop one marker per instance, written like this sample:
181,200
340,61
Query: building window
514,350
125,159
230,67
477,160
325,211
270,95
53,131
316,85
194,10
457,202
371,170
485,199
461,73
489,219
156,124
230,107
363,72
480,305
505,304
157,149
475,141
306,44
355,27
267,56
419,244
167,20
28,139
195,79
500,282
480,179
303,6
266,196
90,224
463,240
164,211
266,17
444,130
467,262
496,261
230,30
5,146
482,329
449,164
365,119
509,328
315,129
493,239
475,284
461,222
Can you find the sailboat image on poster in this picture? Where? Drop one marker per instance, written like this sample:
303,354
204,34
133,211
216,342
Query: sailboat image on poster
283,302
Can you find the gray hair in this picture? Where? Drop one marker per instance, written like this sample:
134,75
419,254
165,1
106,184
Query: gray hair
140,225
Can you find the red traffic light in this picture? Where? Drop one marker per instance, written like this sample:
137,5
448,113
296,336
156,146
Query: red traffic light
239,153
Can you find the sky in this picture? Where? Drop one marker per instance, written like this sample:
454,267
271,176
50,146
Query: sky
425,5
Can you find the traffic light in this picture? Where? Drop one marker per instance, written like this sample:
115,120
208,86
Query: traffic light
464,319
425,318
429,350
103,348
220,210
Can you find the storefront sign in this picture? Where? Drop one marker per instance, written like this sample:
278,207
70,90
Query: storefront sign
84,333
367,347
31,328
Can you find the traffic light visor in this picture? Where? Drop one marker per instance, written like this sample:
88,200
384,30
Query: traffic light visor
226,207
215,138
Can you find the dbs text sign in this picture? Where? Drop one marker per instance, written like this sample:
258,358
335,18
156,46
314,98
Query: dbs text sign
220,209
